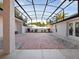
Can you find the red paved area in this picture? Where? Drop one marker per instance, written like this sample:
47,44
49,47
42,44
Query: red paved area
38,41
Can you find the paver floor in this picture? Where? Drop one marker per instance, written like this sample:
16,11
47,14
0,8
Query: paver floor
39,41
44,54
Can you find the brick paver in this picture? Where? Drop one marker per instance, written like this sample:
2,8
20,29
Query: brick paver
38,41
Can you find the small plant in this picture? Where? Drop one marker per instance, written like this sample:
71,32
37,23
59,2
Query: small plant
1,6
16,32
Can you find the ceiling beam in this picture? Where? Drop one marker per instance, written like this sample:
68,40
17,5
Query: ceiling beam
44,9
34,9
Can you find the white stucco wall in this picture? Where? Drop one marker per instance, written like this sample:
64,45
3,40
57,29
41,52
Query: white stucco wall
24,28
62,28
1,26
19,25
53,28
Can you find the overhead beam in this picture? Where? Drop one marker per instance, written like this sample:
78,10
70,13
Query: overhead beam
23,10
34,9
44,9
56,9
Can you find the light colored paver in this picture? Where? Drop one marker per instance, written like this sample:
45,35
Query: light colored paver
44,54
52,54
35,54
70,53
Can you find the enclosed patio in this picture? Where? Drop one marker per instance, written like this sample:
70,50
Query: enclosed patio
39,29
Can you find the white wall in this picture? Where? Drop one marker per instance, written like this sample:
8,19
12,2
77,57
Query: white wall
62,28
53,28
1,26
24,28
19,25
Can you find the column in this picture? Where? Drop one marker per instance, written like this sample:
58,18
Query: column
8,26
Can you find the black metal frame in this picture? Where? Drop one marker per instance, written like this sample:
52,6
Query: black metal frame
56,9
44,9
34,9
32,4
78,7
63,11
38,4
71,17
21,13
23,10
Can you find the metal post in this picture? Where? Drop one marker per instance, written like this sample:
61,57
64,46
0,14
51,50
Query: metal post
78,7
63,14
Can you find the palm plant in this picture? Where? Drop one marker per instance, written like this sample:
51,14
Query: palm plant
61,16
